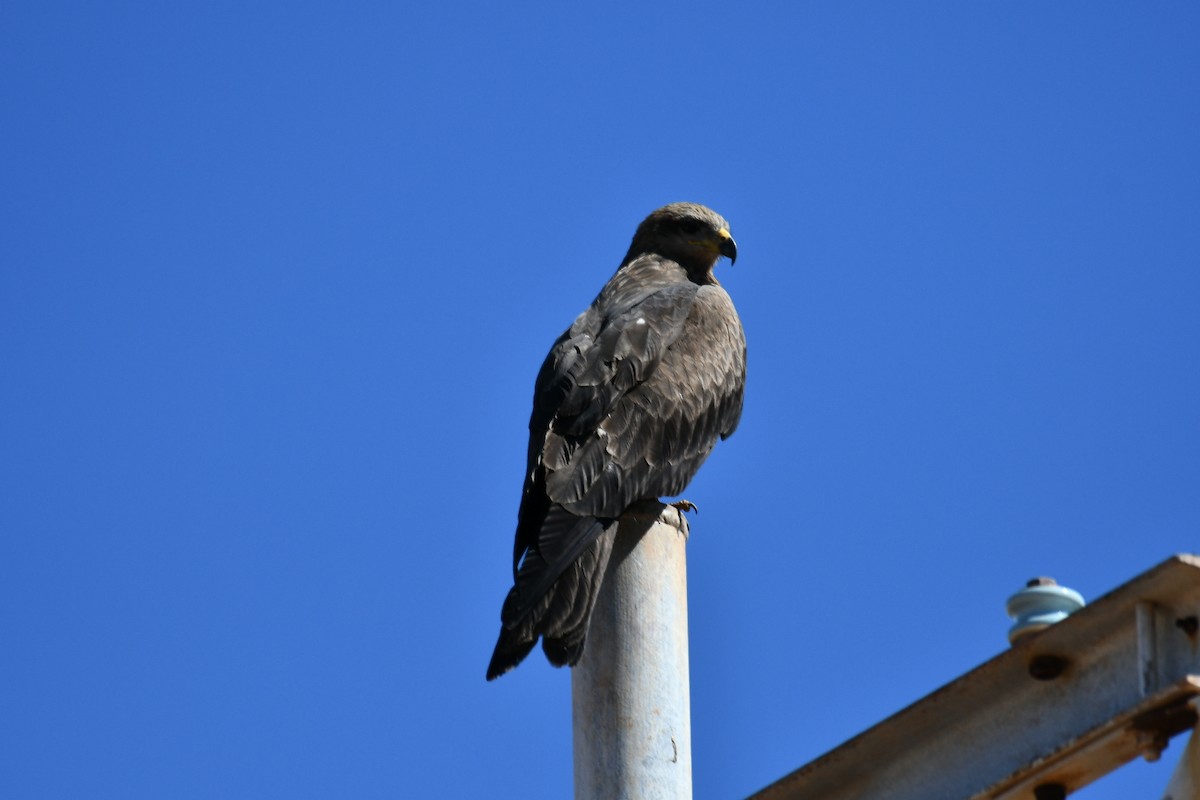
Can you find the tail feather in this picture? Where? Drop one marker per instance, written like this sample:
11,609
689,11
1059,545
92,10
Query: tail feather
570,613
511,649
561,615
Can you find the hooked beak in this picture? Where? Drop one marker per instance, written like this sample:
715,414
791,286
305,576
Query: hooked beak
727,246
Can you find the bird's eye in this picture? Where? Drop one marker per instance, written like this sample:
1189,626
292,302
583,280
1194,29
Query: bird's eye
691,226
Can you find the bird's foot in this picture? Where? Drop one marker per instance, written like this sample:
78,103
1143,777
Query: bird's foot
684,506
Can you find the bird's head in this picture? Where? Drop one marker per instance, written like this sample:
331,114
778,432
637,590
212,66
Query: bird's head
691,234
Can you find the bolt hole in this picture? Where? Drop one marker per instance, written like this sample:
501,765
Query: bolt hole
1050,791
1047,668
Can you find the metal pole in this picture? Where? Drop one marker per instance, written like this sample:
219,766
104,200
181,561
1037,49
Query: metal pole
1185,782
630,694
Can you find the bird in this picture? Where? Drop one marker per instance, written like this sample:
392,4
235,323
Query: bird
627,405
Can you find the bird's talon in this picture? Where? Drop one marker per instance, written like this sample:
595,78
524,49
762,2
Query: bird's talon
684,506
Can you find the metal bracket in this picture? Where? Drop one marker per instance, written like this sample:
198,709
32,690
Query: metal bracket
1060,709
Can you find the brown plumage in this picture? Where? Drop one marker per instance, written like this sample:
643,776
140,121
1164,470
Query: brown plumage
629,402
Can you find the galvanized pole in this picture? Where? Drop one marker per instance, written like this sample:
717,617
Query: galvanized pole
1185,781
630,695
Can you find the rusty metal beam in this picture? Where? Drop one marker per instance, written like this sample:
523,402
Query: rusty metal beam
1055,712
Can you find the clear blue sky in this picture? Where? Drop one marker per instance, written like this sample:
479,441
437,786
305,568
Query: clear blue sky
277,279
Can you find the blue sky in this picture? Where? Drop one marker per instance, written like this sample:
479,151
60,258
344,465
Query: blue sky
277,279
